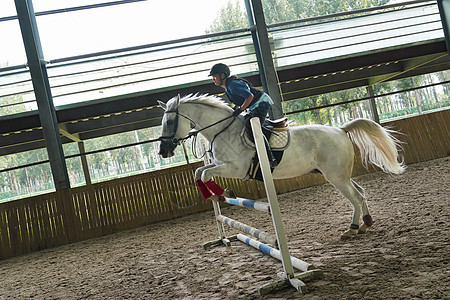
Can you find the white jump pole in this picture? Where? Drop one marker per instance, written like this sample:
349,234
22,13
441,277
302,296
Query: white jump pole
221,219
272,197
287,277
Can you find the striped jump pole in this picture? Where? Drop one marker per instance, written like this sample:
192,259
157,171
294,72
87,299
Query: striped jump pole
295,281
257,205
296,263
259,234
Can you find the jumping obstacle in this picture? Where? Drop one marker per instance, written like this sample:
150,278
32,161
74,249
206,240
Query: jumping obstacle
257,205
288,277
296,263
259,234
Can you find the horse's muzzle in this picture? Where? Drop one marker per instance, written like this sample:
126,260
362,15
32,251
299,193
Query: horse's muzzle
165,153
166,149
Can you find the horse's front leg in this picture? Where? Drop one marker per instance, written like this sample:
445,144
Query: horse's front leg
198,173
209,187
223,170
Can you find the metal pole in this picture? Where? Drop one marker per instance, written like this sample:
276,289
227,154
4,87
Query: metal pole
251,22
41,85
84,163
444,10
185,153
373,104
267,72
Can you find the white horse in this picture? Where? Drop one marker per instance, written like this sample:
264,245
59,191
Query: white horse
312,147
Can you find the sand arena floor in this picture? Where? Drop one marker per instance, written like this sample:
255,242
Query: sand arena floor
405,256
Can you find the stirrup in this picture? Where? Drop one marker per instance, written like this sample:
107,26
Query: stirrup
273,163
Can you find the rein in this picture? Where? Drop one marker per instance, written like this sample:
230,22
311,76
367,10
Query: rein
194,133
216,135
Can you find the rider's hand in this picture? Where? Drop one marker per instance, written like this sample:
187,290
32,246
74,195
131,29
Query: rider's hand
237,112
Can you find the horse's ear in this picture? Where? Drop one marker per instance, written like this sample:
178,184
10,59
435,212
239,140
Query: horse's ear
178,99
162,105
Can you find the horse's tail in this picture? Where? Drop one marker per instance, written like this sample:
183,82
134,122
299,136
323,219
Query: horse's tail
376,144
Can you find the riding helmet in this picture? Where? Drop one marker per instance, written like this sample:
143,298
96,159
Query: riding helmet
220,69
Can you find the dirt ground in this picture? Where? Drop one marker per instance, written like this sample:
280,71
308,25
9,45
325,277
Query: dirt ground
406,255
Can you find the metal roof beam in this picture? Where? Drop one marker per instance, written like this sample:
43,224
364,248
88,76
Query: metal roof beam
408,66
36,63
444,10
265,61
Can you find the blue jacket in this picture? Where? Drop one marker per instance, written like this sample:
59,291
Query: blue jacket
238,89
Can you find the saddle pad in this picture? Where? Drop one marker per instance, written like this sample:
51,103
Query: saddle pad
279,139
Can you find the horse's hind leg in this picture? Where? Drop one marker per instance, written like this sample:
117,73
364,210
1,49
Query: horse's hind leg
367,218
351,191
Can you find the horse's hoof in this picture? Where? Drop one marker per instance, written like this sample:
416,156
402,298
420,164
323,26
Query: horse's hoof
214,198
349,234
367,219
229,193
363,229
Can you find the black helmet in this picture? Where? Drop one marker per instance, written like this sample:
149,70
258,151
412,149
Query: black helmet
220,69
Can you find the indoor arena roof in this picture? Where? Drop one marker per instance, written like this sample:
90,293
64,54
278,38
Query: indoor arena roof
117,91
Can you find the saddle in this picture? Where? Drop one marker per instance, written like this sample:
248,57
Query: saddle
279,123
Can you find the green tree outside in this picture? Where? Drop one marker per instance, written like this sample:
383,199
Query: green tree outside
143,158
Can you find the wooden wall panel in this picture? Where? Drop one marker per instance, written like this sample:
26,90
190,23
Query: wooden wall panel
81,213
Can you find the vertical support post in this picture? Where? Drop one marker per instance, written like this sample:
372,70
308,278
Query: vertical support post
41,85
266,66
217,213
373,104
185,153
272,197
444,10
84,163
222,240
252,24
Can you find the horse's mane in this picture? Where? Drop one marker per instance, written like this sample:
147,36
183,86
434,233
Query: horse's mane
205,99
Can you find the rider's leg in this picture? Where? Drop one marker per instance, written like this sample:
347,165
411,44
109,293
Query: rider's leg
261,113
273,162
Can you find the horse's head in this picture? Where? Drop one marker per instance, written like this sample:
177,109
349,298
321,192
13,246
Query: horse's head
181,116
173,127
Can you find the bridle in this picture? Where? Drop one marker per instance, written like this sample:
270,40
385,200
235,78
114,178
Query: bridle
174,141
172,137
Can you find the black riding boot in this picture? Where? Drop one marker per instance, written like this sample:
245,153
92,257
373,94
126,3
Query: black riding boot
272,161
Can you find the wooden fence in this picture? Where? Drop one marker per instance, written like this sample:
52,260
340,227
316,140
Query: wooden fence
81,213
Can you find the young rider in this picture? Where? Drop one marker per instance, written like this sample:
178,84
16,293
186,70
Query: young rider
244,96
